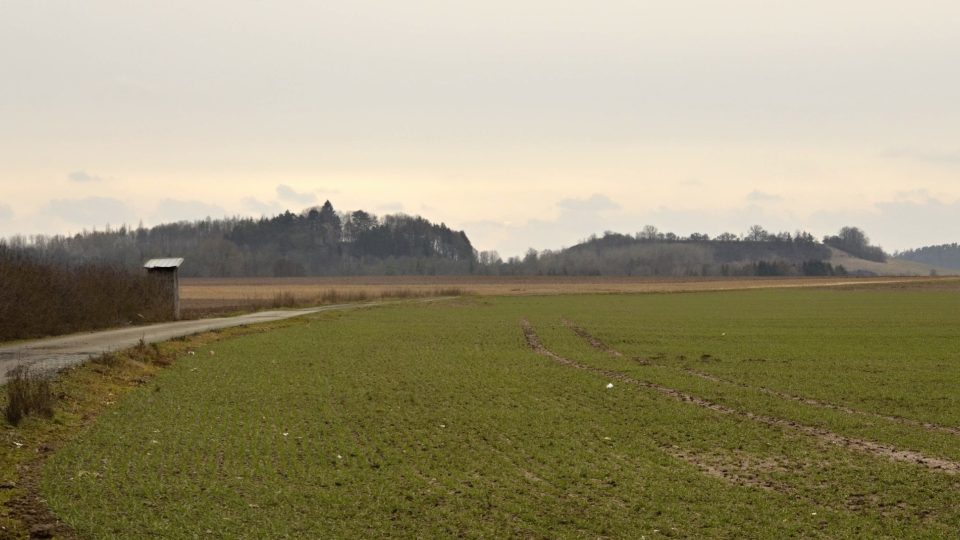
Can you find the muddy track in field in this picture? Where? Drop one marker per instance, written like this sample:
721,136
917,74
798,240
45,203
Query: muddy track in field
600,345
869,447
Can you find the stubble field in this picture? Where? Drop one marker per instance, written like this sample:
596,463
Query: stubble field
200,295
760,413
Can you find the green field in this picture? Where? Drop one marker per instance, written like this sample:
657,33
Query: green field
774,413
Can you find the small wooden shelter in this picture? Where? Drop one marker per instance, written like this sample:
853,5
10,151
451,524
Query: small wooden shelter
167,271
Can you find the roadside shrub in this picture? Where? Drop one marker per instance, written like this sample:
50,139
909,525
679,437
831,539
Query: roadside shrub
28,392
110,360
39,297
333,296
451,291
284,300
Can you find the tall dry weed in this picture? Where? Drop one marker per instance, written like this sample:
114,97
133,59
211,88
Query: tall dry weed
28,392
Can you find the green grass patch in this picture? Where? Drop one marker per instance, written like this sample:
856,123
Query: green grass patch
70,403
438,420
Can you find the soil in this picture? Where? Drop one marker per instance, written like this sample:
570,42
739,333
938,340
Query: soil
30,509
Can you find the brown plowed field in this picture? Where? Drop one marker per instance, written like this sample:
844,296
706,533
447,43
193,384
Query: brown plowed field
206,293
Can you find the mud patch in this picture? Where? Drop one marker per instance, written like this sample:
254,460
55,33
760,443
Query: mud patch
739,468
30,509
881,450
599,345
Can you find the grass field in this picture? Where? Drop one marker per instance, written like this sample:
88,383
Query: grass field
765,413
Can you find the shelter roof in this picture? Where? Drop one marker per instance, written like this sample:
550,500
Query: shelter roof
163,263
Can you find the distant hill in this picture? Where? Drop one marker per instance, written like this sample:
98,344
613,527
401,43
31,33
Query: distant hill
893,266
757,253
944,256
318,241
671,255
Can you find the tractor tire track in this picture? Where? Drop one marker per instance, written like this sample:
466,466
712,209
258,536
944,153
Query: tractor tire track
881,450
596,343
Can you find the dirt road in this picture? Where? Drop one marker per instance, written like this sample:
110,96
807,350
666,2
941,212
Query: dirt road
58,352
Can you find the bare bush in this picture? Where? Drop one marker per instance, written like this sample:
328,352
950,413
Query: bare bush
41,298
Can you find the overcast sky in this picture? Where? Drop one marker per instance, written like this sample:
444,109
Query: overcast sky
526,123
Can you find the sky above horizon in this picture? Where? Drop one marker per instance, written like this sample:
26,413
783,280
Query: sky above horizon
527,124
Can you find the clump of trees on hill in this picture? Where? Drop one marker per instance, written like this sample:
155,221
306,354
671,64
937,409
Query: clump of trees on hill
651,252
41,297
855,242
944,255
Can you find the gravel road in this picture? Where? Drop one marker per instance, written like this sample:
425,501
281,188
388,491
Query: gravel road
58,352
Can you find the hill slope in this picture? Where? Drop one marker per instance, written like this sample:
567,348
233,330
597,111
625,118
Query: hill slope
892,267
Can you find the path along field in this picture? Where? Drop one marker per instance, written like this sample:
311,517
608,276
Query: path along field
765,413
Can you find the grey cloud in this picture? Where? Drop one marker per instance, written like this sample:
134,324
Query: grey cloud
90,211
901,224
184,210
391,207
5,212
594,203
916,195
758,196
261,207
84,176
578,219
936,157
287,193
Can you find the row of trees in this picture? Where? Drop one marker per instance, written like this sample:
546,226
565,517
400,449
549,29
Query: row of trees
323,241
855,242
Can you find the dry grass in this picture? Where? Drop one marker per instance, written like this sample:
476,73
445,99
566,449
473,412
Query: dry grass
893,267
210,295
224,296
28,392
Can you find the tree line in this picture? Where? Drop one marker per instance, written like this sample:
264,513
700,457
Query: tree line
318,241
944,255
321,241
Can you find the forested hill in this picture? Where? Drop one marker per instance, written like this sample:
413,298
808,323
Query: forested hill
320,241
317,241
655,253
944,256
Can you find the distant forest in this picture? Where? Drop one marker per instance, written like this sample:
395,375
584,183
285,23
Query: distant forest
944,256
318,241
321,241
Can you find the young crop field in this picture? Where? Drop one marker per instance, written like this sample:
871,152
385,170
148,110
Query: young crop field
803,413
